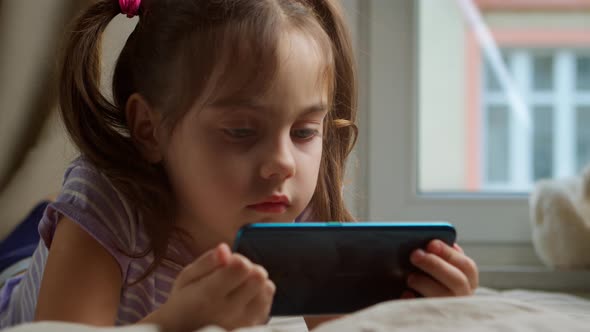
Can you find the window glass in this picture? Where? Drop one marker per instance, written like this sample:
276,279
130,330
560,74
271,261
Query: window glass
503,95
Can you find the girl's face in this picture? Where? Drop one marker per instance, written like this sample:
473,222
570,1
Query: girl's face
245,161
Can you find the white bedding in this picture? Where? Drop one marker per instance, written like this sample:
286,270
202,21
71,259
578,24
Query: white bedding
477,314
489,310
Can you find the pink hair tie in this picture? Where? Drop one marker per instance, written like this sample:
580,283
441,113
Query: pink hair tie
129,7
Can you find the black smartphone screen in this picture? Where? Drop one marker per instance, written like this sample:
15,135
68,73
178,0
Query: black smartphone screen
333,268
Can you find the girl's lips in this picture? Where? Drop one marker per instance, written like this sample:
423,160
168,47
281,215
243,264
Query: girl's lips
269,207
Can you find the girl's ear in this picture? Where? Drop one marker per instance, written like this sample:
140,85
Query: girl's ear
144,127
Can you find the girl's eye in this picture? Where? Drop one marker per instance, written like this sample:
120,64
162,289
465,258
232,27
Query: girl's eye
305,133
239,132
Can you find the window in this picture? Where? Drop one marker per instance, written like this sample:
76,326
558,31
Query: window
496,124
442,138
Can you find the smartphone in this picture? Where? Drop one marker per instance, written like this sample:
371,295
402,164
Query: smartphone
335,268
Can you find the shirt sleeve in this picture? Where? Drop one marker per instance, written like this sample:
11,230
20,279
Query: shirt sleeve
91,201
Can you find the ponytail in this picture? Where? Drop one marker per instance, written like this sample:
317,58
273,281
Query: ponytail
89,117
99,128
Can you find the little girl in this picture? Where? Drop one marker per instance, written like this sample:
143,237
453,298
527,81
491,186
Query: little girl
225,112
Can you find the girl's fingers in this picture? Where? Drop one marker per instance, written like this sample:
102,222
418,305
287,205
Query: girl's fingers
255,283
427,286
457,259
203,266
252,300
259,307
442,271
458,248
232,276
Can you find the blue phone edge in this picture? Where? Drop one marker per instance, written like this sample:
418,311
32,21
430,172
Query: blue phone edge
294,225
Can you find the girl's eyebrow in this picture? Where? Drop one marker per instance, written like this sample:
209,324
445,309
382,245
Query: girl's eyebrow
233,104
317,108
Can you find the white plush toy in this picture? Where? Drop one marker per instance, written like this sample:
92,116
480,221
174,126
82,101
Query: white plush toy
560,220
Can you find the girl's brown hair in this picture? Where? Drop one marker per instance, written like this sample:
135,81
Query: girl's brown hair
184,52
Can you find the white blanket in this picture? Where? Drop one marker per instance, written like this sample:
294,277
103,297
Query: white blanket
511,311
489,311
481,314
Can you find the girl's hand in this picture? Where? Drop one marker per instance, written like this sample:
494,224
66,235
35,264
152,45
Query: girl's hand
218,288
447,271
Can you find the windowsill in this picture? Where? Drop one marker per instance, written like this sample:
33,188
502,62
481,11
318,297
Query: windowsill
535,277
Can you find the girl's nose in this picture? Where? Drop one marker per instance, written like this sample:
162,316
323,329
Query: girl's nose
279,161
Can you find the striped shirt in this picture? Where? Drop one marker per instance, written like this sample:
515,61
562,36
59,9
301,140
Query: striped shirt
88,199
91,201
